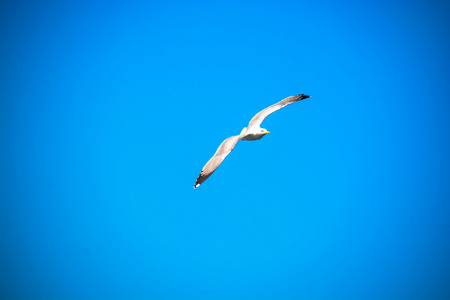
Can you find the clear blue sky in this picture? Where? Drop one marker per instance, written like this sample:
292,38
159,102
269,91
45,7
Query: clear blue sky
109,111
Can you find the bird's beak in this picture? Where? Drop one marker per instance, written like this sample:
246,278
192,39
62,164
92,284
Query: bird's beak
267,132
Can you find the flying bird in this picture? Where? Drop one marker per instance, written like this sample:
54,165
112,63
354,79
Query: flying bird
250,133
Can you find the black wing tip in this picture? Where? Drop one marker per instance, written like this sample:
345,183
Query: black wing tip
199,180
303,96
197,183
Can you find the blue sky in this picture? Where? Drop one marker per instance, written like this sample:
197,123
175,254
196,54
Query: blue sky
108,112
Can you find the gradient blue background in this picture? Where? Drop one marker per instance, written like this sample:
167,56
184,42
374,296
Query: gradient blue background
110,110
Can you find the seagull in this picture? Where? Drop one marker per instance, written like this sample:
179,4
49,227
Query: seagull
252,132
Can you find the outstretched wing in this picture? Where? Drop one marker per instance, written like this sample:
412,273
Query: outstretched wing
224,149
259,117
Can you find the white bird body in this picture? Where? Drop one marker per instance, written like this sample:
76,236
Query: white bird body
254,135
252,132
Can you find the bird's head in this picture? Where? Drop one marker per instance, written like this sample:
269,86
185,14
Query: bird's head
264,131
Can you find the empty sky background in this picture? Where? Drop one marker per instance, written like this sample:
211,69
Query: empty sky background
109,110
